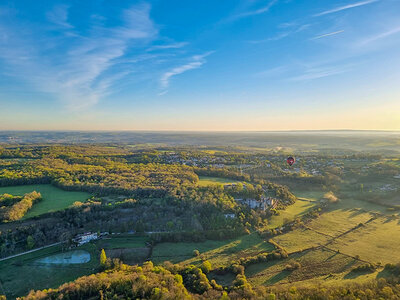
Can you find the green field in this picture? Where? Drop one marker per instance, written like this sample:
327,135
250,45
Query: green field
313,195
219,253
300,240
322,229
21,274
53,198
130,249
313,264
299,208
205,181
122,241
377,241
337,222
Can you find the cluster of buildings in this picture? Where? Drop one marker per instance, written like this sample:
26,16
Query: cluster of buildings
387,188
86,237
263,204
174,158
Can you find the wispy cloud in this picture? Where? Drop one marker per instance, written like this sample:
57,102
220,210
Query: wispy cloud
254,12
79,72
390,32
59,16
282,35
312,73
345,7
272,72
196,62
168,46
278,37
326,35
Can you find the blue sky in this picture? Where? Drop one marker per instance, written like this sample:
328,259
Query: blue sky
200,65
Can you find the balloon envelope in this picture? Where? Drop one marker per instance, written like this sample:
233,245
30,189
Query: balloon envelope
290,160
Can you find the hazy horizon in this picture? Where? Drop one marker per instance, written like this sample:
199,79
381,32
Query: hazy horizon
207,66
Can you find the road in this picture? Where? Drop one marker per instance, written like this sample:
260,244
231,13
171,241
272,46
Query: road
30,251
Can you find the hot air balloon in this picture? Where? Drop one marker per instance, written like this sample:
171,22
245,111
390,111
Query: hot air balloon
290,160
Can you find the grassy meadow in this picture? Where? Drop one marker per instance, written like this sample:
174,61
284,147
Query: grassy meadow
53,198
313,264
206,181
219,253
122,241
299,208
21,274
334,223
377,241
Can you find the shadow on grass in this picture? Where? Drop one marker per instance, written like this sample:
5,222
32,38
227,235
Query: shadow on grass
224,280
278,277
332,256
355,274
357,212
384,274
254,269
350,264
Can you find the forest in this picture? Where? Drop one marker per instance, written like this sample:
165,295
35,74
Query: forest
174,282
237,223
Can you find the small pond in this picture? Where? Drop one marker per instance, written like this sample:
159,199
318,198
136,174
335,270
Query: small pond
71,257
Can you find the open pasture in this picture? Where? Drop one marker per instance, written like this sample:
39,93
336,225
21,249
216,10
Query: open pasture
206,181
130,249
377,241
299,208
326,227
300,239
53,198
122,241
219,253
21,274
338,222
310,195
313,263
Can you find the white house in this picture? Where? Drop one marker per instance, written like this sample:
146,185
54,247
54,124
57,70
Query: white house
229,216
84,238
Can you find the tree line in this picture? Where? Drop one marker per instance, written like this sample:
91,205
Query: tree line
14,207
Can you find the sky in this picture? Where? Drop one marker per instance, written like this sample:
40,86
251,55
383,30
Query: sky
210,65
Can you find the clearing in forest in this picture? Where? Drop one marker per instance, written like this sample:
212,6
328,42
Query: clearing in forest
53,198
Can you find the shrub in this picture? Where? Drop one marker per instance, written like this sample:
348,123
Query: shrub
364,268
206,266
293,266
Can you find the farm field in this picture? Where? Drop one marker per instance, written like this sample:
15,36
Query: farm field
53,198
122,241
21,274
300,239
321,230
377,241
339,221
299,208
313,195
206,181
219,253
129,248
313,263
348,200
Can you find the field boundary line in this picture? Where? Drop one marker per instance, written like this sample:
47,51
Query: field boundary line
30,251
350,230
319,232
345,254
